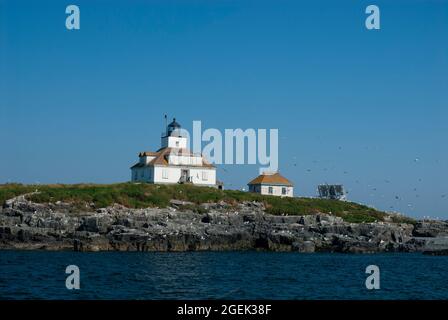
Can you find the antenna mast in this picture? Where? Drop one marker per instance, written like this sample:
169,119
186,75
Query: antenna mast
166,124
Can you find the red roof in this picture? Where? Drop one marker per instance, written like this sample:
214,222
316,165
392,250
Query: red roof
273,179
161,157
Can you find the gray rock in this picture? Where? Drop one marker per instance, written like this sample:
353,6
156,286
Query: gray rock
304,246
26,225
179,203
431,229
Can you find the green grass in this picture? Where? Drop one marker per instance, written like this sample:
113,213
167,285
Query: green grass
11,190
148,195
403,219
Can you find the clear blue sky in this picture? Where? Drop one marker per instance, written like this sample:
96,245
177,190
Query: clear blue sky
352,106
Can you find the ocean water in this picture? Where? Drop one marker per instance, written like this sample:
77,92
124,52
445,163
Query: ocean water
220,275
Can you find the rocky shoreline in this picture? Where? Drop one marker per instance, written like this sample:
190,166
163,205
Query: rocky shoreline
25,225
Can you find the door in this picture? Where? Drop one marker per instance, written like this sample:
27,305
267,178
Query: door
185,176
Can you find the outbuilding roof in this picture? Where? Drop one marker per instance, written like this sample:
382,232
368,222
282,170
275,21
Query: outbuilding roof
271,179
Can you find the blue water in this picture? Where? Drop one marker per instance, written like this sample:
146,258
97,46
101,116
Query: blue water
220,275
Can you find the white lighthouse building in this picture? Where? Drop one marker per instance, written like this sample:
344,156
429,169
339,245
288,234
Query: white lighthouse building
173,162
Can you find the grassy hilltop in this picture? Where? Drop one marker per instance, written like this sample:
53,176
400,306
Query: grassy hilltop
149,195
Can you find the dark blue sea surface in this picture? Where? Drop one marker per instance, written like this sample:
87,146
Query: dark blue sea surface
220,275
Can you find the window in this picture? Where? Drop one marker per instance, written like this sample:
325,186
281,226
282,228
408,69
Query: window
177,143
135,176
165,174
204,175
283,191
270,190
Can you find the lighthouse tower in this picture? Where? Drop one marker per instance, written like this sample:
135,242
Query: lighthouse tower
172,137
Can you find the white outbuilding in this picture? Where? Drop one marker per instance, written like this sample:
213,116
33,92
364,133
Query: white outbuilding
173,162
273,184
